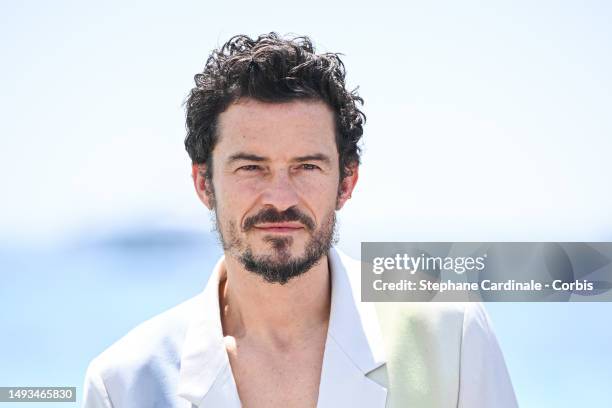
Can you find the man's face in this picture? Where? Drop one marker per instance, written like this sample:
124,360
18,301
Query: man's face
275,185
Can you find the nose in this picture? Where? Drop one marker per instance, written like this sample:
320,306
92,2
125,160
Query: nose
280,192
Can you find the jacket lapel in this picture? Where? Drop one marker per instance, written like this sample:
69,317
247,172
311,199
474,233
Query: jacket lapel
354,346
205,377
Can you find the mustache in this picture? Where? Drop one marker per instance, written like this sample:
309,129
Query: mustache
270,215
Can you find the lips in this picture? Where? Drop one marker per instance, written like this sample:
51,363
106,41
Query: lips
280,227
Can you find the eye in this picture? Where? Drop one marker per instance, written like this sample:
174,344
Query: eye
309,166
249,167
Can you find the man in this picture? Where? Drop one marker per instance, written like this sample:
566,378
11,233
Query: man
273,137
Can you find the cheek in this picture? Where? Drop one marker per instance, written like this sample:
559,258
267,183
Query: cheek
234,199
323,199
321,184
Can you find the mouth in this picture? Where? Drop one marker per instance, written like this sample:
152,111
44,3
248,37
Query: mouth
281,227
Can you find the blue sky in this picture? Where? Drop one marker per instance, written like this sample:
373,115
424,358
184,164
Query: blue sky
487,121
480,114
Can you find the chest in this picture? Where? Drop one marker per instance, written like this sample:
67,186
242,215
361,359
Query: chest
287,378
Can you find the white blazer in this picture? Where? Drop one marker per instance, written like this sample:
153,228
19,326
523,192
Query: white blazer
376,355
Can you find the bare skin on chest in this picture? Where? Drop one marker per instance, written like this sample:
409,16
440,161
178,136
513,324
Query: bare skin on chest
284,377
276,349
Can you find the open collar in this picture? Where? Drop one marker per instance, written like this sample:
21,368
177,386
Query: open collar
353,347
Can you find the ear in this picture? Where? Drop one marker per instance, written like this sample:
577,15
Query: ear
202,186
347,186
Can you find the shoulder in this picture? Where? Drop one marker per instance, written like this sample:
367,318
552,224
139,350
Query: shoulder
158,337
147,357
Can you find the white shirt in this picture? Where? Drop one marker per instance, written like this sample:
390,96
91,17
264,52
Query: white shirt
376,355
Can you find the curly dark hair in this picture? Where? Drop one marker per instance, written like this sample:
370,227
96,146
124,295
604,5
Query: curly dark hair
271,69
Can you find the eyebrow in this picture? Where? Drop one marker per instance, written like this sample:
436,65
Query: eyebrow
245,156
320,157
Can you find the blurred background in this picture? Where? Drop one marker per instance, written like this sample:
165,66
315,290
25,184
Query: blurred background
487,121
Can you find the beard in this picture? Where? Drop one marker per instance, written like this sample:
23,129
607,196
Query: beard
280,266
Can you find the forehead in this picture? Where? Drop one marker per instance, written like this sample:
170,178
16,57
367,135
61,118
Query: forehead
277,130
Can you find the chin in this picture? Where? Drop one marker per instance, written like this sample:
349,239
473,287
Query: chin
282,247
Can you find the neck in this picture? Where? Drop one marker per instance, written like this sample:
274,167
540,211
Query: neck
279,315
